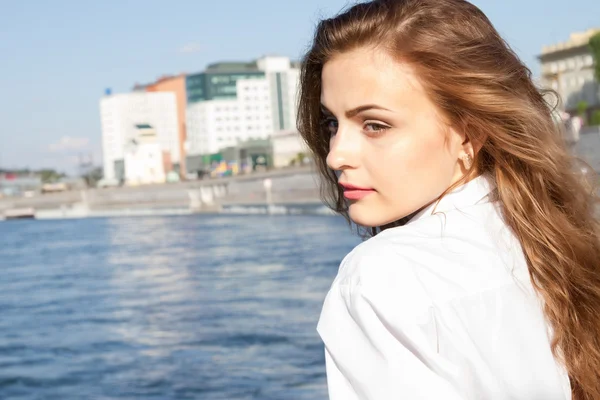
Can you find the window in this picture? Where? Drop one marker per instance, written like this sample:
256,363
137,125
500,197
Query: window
588,60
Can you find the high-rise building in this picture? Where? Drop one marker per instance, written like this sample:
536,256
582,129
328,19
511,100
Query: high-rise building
120,115
233,102
568,68
284,78
176,85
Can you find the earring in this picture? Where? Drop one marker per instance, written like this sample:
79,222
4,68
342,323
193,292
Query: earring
467,161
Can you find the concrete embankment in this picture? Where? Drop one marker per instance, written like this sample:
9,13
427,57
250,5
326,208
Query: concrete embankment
291,191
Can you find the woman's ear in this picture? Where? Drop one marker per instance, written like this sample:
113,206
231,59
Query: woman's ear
477,144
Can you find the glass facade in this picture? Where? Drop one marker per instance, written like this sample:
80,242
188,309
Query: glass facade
216,85
280,102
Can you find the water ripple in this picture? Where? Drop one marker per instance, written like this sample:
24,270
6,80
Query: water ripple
184,307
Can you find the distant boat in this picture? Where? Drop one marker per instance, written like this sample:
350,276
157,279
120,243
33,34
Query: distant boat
19,213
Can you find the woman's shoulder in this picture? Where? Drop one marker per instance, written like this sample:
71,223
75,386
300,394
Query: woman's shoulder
370,258
430,238
379,267
430,262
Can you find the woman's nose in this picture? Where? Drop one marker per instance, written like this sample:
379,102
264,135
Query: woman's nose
344,149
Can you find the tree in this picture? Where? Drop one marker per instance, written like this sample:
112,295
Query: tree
595,48
300,158
50,175
92,176
582,107
596,118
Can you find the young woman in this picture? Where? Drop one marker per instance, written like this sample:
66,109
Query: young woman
481,277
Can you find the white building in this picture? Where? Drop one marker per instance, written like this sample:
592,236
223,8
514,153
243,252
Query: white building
143,159
287,145
119,115
216,124
235,102
568,68
284,79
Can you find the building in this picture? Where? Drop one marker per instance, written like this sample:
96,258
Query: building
218,81
230,103
120,115
568,68
215,124
176,85
143,158
14,184
288,149
284,80
249,156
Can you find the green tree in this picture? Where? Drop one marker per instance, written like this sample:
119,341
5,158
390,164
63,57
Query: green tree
595,48
596,118
50,175
92,176
300,158
582,107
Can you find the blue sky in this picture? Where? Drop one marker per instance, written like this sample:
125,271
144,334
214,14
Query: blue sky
58,56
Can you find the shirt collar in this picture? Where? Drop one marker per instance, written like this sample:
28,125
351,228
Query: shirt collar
475,191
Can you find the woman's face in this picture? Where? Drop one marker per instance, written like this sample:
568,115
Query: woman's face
389,145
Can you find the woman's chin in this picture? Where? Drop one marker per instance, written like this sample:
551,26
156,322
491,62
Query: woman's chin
371,216
364,216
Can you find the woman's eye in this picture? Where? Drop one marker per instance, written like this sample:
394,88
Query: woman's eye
332,125
375,128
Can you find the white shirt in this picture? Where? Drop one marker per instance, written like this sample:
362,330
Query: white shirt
440,308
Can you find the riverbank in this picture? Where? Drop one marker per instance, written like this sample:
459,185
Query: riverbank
308,208
289,191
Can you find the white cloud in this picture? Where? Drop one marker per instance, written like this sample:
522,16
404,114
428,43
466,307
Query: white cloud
68,143
190,48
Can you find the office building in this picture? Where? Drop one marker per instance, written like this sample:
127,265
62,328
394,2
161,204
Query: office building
235,102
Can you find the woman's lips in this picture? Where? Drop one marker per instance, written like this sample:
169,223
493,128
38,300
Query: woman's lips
352,192
357,194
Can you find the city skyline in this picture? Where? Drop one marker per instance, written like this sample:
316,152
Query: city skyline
61,56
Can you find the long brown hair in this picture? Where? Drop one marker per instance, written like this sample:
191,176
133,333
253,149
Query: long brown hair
481,87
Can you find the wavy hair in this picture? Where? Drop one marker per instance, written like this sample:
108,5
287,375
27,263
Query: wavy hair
480,86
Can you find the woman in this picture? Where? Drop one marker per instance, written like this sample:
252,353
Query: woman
481,277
